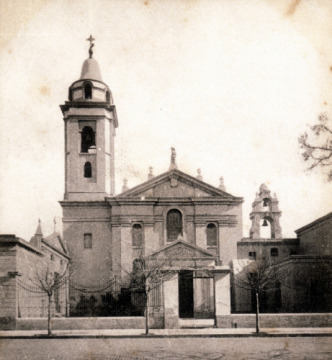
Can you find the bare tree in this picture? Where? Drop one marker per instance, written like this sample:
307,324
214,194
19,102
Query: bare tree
318,146
49,281
148,274
258,277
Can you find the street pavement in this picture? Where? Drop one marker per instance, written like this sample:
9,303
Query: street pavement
169,348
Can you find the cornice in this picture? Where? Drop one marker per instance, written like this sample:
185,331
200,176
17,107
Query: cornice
70,203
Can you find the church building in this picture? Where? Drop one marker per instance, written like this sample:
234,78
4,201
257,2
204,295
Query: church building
173,215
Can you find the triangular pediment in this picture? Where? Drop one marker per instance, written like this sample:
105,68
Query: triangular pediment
174,184
180,249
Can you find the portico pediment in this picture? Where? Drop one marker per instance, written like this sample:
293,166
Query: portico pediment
181,250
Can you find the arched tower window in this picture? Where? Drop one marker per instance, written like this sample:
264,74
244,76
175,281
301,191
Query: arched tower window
87,91
70,95
174,224
87,139
211,235
87,170
137,235
108,97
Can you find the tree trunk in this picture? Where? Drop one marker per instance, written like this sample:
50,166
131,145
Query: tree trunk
147,314
49,330
257,313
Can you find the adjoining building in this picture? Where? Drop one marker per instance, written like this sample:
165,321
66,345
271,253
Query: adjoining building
302,265
22,265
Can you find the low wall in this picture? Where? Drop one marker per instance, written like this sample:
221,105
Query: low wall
275,320
85,323
227,321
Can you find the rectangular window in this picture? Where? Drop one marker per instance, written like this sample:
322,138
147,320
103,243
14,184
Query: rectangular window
274,252
87,241
52,257
252,255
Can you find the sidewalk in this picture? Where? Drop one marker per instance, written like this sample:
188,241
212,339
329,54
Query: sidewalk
139,333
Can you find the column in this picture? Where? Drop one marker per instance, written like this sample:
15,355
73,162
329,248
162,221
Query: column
171,302
222,293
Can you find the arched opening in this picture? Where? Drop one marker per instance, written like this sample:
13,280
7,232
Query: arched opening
137,235
266,204
87,91
174,225
87,170
70,95
211,235
267,228
108,97
87,139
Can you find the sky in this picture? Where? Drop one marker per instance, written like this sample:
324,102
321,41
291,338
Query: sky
230,84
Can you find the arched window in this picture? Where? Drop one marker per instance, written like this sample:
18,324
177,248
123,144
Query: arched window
108,97
87,139
87,91
70,95
174,224
137,235
211,235
87,170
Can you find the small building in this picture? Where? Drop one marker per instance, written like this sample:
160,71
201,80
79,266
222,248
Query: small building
22,265
307,275
302,264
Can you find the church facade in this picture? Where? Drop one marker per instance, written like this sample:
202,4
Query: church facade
176,216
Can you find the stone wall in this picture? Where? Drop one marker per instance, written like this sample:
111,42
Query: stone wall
82,323
7,282
275,320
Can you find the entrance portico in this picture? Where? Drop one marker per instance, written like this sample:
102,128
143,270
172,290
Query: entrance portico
196,287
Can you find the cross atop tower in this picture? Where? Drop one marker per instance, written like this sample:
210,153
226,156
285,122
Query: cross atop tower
91,39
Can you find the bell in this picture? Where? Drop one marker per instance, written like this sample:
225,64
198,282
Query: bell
265,202
265,223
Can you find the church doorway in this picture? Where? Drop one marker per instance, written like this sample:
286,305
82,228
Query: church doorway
186,294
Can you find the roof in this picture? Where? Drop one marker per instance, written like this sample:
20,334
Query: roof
318,221
10,239
90,70
55,242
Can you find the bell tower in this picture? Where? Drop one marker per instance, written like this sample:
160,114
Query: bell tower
265,212
90,122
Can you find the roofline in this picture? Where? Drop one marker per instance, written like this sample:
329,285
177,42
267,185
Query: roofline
143,186
314,223
54,248
247,241
12,239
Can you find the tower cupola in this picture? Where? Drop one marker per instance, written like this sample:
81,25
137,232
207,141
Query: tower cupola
90,86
